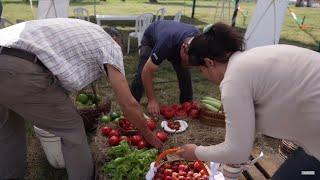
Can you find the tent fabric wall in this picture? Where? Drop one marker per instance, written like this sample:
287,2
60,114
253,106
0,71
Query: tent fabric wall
53,9
265,25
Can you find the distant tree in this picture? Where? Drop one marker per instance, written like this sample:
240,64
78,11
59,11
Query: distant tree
153,1
299,3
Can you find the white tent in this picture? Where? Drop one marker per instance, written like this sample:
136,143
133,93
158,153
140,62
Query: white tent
265,25
51,8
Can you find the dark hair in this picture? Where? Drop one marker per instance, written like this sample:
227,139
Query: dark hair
116,36
215,43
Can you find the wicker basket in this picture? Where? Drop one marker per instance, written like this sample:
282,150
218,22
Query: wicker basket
211,118
90,115
163,158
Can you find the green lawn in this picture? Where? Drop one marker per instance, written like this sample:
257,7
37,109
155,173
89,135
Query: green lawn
165,81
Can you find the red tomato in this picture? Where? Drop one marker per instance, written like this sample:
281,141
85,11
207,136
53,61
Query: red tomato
168,113
187,106
195,105
159,176
152,124
175,168
183,167
194,113
202,172
181,114
167,166
124,138
190,174
182,173
142,144
162,136
175,106
113,140
163,108
181,178
167,172
113,132
161,170
197,166
135,139
175,174
106,130
168,178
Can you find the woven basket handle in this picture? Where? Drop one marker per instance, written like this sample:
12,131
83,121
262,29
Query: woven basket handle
174,150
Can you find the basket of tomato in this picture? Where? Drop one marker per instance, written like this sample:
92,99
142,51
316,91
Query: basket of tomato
163,169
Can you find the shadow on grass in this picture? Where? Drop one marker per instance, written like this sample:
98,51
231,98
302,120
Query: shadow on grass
50,173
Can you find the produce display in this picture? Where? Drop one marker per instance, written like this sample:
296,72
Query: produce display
129,154
115,135
128,127
186,109
184,170
128,163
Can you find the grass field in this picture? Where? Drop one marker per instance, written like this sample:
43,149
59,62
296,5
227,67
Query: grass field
166,86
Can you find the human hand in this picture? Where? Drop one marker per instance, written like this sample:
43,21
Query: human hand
154,108
187,152
153,141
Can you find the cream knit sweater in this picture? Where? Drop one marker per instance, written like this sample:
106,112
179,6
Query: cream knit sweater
273,90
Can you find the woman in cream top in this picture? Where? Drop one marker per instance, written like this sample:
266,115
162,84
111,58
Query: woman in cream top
273,90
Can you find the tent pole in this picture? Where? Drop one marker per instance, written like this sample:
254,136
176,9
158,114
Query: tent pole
193,8
235,13
94,8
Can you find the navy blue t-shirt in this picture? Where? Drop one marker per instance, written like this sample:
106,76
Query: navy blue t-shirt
166,38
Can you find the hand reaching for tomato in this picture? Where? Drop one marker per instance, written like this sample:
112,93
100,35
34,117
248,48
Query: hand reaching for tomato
154,108
187,152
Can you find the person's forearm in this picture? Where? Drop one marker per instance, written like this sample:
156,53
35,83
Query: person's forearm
128,104
240,127
133,113
230,153
147,80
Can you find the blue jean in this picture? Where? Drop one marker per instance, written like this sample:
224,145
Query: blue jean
298,163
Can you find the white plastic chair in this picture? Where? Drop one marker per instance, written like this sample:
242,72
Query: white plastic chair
81,13
142,22
5,23
160,14
177,16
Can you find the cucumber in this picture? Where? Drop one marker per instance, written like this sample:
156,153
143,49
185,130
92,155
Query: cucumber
211,99
211,108
212,103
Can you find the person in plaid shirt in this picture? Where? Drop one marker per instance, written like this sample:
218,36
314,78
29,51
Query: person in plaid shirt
41,61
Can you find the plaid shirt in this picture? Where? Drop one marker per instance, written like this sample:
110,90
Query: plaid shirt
73,50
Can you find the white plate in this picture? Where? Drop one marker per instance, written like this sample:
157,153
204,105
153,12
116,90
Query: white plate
183,126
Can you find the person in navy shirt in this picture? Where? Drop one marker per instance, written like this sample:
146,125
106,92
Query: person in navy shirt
164,40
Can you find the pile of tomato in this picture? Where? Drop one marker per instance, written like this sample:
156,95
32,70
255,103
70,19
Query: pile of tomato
184,110
181,170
